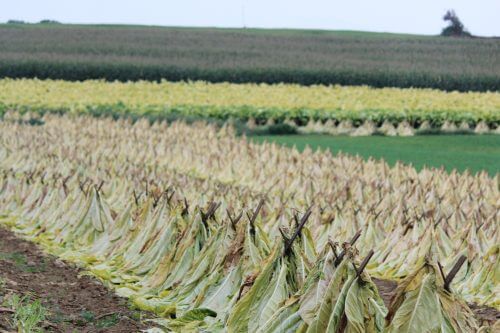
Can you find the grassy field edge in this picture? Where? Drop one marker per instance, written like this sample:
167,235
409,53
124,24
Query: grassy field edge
461,152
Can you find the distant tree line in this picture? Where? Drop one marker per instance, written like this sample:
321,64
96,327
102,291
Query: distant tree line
16,22
45,21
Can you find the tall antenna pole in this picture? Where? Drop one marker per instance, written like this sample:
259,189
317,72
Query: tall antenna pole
243,14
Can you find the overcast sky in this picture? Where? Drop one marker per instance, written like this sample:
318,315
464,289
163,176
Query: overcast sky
481,17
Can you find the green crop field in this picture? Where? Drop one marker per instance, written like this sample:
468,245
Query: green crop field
461,152
77,52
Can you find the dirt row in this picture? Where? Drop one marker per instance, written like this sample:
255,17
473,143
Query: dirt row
75,303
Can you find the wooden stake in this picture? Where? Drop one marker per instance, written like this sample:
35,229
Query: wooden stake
136,197
364,263
453,272
234,220
333,247
185,210
342,254
298,230
253,217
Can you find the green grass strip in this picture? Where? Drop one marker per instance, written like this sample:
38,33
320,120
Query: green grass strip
462,152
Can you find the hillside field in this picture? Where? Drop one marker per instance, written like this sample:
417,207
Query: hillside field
78,52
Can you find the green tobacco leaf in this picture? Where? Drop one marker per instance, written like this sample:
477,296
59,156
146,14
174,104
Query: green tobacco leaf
330,298
275,295
285,320
364,309
420,311
241,313
339,307
196,314
220,297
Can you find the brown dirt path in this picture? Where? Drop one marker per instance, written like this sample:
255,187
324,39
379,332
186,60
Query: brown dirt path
76,304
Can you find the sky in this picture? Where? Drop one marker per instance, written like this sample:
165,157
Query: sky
481,17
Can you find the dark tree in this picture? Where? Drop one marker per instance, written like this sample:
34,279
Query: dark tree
49,22
15,22
455,27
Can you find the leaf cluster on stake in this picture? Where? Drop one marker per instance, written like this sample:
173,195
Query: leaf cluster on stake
423,302
343,299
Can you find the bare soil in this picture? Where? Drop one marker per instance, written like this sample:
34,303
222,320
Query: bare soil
75,303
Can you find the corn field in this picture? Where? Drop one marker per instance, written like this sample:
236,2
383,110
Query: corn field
307,57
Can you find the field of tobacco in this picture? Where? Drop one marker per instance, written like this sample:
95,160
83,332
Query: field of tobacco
214,233
336,110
